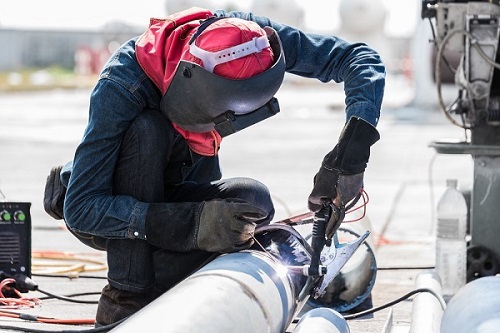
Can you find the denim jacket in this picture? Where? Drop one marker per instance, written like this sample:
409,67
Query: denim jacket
124,90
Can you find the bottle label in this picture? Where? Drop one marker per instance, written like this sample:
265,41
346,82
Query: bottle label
451,265
448,228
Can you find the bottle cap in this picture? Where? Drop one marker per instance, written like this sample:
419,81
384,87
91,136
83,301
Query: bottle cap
451,183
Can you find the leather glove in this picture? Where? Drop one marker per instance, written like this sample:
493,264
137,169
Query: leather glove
221,225
341,173
329,183
227,225
53,196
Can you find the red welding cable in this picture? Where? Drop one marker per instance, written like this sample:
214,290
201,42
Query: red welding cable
23,302
13,302
8,314
46,320
83,321
366,199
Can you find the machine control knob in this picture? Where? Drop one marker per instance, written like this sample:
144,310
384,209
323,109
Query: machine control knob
19,216
5,215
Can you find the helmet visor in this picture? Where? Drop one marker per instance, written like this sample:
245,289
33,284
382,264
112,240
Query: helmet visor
196,96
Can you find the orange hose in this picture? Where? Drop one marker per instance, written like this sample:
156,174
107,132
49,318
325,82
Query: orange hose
83,321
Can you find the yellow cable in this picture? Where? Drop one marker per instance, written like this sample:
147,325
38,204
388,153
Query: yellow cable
78,263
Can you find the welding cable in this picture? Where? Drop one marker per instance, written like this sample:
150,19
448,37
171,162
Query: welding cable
401,268
105,328
73,269
46,320
473,42
20,302
51,296
442,302
434,40
68,299
366,199
26,303
71,276
307,217
437,77
19,280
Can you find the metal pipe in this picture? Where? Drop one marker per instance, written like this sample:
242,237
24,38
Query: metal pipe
427,309
256,290
475,308
324,320
353,285
242,290
249,291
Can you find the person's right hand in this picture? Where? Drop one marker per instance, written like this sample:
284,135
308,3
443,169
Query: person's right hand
227,225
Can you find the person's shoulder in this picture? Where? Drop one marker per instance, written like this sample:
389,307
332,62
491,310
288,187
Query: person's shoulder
127,49
122,69
122,60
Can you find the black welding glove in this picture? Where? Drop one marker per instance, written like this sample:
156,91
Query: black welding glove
221,225
342,170
53,196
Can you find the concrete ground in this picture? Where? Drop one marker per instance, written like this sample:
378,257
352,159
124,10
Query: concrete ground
404,180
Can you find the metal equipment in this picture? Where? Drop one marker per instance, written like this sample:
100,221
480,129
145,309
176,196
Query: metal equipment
269,284
15,239
471,29
353,285
323,320
484,314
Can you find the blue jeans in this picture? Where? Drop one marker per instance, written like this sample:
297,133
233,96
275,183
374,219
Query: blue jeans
152,168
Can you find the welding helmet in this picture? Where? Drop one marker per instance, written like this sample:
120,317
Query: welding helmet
226,77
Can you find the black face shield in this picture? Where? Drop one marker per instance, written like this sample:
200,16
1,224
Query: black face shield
200,101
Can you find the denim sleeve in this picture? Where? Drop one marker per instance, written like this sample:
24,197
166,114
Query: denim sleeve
329,58
89,205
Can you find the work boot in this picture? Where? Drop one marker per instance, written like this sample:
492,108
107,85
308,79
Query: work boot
115,304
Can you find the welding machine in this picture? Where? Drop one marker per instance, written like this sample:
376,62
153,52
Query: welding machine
15,239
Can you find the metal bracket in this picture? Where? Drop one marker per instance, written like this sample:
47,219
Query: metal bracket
334,258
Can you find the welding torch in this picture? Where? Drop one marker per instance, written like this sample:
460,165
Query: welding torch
326,222
321,271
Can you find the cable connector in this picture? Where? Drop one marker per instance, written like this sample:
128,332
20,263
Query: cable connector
24,283
4,275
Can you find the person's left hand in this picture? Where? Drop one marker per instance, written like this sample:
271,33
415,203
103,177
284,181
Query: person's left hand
340,177
331,186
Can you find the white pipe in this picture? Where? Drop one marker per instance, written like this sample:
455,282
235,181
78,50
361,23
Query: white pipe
427,309
324,320
475,308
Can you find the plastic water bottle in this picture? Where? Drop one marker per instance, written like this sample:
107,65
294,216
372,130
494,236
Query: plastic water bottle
451,246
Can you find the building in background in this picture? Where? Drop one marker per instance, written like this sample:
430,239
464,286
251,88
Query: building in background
37,49
289,12
83,52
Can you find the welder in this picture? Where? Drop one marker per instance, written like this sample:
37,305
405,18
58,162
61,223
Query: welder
145,183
